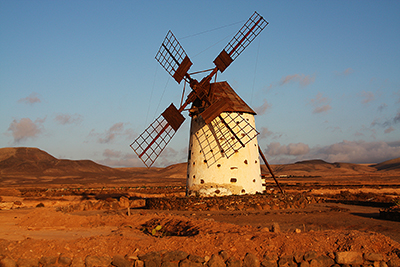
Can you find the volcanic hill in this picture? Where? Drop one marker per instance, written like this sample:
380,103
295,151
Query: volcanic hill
23,166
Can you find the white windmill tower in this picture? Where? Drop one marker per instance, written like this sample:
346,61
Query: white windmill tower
223,154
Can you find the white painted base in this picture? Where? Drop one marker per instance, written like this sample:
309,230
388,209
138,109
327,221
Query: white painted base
210,173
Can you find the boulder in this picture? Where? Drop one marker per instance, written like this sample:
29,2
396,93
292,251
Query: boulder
96,261
120,261
349,257
250,260
175,256
216,261
7,262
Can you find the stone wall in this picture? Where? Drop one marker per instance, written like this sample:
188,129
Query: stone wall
222,259
233,202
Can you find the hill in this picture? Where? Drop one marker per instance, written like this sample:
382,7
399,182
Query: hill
26,160
23,165
388,165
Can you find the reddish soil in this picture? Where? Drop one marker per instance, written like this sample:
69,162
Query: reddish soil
346,219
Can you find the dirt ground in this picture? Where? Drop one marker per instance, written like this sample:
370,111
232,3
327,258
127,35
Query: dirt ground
28,231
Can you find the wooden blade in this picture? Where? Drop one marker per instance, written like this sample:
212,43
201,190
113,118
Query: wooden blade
250,30
151,143
173,58
233,132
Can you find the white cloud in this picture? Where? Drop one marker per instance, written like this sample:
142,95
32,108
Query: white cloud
117,159
25,128
275,148
345,151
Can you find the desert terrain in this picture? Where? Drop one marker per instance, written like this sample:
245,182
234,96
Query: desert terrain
51,206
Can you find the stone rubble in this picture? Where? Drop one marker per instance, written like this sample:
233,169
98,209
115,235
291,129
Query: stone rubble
222,259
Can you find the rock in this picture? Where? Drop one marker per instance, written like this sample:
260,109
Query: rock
175,256
216,261
394,262
7,262
233,262
287,261
373,257
382,264
124,202
250,260
298,257
28,262
195,258
64,260
269,263
310,255
276,228
349,257
78,262
304,264
139,263
120,261
45,261
224,255
95,261
188,263
151,259
322,261
168,264
137,203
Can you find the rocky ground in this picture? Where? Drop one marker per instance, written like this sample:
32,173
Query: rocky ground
119,222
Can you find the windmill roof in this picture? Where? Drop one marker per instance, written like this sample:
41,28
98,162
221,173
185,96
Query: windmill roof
223,91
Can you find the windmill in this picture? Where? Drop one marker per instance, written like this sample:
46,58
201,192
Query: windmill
223,154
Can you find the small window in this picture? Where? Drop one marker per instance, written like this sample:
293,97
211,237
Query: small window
233,180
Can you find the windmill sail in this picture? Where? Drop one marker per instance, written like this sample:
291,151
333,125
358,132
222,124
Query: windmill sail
149,145
250,30
173,58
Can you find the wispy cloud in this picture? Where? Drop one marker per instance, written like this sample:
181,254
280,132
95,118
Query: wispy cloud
302,79
382,107
111,153
168,157
69,119
31,99
367,97
118,159
275,148
345,151
266,133
112,133
263,108
25,128
389,130
345,72
321,104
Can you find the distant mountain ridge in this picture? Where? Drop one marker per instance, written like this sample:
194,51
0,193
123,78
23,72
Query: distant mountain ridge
33,161
36,161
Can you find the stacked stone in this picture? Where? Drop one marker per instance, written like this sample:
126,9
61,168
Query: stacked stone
231,203
222,259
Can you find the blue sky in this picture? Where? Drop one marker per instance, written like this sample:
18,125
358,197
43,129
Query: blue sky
78,79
